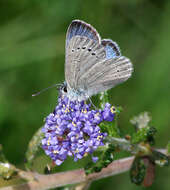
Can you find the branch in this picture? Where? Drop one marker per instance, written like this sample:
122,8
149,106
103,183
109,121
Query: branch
43,182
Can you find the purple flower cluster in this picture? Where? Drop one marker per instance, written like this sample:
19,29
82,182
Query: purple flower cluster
72,130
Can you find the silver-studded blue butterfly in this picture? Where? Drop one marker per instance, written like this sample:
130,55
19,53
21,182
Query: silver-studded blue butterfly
92,65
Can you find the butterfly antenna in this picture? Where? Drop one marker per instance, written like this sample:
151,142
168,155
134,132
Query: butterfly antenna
43,90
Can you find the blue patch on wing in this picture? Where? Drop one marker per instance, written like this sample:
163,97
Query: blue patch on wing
110,53
80,28
111,48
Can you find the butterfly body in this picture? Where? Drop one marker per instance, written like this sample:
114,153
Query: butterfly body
92,65
73,94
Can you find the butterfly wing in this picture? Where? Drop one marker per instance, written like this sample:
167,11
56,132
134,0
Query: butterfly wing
82,53
111,48
82,41
106,74
92,65
81,28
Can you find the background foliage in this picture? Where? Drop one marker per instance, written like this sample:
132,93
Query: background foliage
32,37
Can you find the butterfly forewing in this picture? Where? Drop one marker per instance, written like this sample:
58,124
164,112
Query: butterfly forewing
80,28
81,54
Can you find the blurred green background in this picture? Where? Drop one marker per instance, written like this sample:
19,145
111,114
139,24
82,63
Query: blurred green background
32,40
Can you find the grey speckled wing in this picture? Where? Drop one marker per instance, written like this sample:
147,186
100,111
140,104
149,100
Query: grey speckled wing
81,54
92,65
106,74
80,39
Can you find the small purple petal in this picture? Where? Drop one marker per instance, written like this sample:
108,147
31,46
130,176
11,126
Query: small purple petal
95,159
58,162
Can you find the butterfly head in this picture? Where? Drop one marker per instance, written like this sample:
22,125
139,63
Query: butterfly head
63,89
72,94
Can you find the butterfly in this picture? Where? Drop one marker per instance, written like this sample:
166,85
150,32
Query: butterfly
92,65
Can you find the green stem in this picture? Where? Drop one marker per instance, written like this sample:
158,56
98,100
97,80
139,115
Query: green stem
103,97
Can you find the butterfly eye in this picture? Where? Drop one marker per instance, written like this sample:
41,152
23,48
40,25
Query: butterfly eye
65,89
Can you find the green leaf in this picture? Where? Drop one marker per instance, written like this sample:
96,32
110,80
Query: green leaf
33,148
105,158
113,129
144,135
137,171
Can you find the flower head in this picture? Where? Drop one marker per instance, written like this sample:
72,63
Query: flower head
73,130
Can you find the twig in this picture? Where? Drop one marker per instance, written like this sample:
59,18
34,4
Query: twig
43,182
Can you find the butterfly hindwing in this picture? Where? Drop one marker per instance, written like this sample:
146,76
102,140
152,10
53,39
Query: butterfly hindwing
111,48
106,74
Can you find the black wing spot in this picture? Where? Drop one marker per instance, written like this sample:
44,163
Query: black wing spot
72,50
78,48
89,49
84,47
93,53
